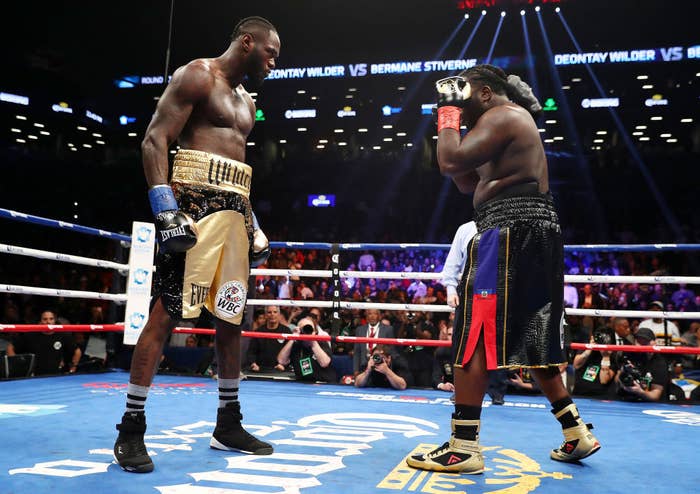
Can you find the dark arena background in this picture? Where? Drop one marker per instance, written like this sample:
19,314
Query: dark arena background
343,151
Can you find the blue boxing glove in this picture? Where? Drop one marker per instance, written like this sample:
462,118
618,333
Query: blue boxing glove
260,250
176,231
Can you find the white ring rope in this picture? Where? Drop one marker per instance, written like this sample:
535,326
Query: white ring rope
645,314
57,292
351,305
652,280
57,256
396,275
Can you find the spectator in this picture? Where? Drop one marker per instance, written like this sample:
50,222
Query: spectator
666,331
442,362
262,352
372,329
384,370
54,352
310,360
643,376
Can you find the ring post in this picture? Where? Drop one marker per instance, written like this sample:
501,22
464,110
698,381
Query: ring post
138,289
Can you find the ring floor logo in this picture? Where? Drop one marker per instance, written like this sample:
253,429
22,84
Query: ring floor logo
312,447
8,410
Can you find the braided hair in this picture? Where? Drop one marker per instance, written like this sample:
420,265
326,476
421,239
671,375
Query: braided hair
517,90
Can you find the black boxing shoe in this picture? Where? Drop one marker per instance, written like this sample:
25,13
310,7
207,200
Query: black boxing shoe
229,434
129,448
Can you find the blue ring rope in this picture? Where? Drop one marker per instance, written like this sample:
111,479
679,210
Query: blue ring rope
14,215
28,218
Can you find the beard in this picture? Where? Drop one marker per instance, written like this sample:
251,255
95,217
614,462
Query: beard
255,71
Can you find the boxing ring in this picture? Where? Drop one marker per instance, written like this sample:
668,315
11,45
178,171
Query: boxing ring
58,432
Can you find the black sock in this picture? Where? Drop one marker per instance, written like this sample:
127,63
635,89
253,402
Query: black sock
466,412
566,420
559,405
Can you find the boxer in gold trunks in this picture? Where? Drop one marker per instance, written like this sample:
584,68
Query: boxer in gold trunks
208,236
512,290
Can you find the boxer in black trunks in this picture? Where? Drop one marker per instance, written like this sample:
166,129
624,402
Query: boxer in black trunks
511,293
208,235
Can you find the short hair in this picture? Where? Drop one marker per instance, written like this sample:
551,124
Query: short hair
250,24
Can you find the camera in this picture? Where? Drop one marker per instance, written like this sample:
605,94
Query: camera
410,316
629,374
603,337
377,358
307,329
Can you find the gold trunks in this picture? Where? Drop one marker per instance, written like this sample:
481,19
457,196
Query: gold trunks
211,170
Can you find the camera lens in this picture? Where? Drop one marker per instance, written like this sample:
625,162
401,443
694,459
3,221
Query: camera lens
307,329
377,358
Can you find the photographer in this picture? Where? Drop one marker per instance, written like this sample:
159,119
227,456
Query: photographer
642,376
594,370
415,325
385,370
311,360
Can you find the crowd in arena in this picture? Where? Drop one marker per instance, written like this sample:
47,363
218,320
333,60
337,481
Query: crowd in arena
592,373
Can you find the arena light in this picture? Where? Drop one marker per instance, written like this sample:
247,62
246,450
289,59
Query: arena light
283,141
638,133
466,16
642,77
401,88
33,137
599,141
541,130
338,131
80,127
100,142
400,134
566,87
537,9
95,134
686,120
644,139
672,140
549,141
641,127
648,86
503,13
342,143
44,133
387,139
664,136
557,10
320,146
550,121
376,148
16,130
522,12
301,91
14,98
387,126
352,89
40,125
602,132
87,146
250,143
558,138
657,118
483,12
20,117
132,134
302,129
576,79
21,141
323,141
362,130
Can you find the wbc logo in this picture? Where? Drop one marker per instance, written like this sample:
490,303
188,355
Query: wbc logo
230,299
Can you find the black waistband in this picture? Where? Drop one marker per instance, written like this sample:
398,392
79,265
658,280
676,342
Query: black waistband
520,202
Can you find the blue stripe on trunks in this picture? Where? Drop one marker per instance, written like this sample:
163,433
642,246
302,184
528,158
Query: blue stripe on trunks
486,279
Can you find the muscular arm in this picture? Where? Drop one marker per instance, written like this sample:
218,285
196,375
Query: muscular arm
458,157
189,85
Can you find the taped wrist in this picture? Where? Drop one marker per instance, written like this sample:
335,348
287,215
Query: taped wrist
449,117
162,199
